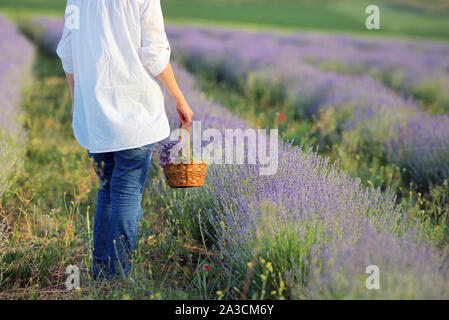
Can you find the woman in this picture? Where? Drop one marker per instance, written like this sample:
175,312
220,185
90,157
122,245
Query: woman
113,52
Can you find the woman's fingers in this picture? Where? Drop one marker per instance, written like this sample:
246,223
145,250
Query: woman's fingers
185,117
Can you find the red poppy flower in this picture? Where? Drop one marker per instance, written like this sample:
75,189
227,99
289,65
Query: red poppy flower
281,117
206,267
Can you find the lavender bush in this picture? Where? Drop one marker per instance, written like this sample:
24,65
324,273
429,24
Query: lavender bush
403,268
309,230
16,56
46,31
359,103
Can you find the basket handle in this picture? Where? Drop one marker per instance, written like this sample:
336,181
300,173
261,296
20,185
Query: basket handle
188,140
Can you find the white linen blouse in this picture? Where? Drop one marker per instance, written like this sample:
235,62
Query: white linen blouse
115,49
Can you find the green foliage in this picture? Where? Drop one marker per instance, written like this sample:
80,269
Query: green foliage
11,155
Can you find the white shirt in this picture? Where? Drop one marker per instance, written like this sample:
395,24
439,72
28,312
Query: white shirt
115,53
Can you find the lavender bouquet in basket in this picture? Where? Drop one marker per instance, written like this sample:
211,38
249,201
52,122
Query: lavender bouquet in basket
179,170
165,152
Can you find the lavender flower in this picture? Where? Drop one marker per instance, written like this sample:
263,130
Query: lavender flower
164,151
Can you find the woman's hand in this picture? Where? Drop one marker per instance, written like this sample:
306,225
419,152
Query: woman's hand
184,111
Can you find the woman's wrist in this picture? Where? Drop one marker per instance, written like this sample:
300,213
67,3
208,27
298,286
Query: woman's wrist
180,100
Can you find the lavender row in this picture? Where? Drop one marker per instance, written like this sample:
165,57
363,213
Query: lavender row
379,114
16,56
419,68
45,31
320,206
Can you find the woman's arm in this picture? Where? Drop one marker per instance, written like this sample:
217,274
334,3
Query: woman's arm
64,52
71,81
155,55
168,79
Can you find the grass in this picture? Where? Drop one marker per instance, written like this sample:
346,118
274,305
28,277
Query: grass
321,15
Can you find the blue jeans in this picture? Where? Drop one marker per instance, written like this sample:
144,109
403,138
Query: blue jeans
122,177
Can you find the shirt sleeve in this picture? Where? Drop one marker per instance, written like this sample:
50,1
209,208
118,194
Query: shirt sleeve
155,51
64,49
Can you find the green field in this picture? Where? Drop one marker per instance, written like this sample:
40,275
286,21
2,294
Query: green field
322,15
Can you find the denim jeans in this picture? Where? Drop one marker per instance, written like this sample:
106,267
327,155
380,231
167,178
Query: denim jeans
122,177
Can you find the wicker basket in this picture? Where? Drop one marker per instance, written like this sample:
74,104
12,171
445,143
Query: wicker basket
186,175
